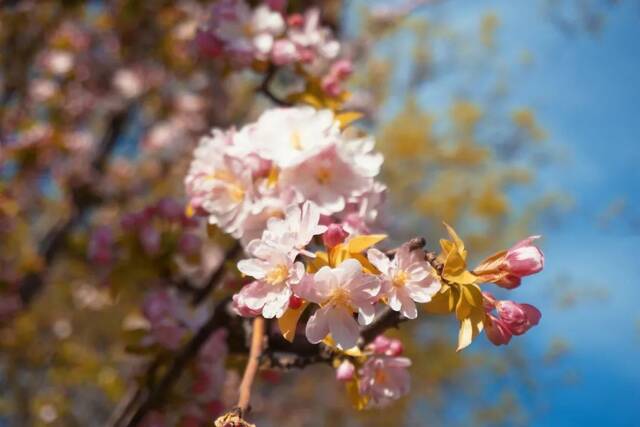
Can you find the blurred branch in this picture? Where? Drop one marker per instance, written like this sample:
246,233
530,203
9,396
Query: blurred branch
252,365
83,199
265,87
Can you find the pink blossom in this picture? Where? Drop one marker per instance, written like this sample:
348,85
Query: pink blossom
100,248
524,258
275,272
406,279
150,239
241,309
338,73
340,291
296,230
334,235
497,331
284,52
345,371
383,345
518,318
189,244
384,379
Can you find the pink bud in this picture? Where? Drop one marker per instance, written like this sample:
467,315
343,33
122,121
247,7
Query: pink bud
395,348
489,301
295,20
295,302
524,258
345,371
334,235
518,318
381,344
497,331
509,282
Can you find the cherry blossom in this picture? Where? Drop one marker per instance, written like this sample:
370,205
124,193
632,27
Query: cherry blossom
294,232
275,272
340,292
406,279
384,379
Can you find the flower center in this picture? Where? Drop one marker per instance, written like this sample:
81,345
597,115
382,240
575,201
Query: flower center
340,297
380,376
323,176
277,274
400,278
296,140
235,191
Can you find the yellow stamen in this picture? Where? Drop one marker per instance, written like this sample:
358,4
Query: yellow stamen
400,278
277,275
323,176
296,140
340,297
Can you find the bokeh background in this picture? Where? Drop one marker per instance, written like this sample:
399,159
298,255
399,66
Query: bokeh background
504,118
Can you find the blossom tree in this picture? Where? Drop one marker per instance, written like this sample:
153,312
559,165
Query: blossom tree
227,254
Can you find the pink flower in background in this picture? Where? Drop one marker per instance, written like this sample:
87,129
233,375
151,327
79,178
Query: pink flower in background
406,279
220,185
313,38
101,243
386,346
384,379
275,272
340,291
338,73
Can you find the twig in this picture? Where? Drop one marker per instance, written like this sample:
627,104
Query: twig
53,241
157,394
265,89
252,365
214,279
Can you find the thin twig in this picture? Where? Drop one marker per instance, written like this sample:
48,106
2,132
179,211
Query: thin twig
252,365
265,87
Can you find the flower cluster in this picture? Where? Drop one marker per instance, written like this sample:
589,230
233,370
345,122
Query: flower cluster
382,376
512,319
241,178
266,34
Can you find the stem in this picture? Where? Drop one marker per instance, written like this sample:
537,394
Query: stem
252,364
265,89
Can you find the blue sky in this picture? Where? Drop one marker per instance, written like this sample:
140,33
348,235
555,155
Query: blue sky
585,90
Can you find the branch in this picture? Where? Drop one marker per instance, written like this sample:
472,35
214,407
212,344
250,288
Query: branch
252,365
265,89
161,388
216,277
82,199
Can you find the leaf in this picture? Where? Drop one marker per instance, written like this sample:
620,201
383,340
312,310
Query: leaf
358,401
443,302
348,117
289,321
470,327
490,265
457,241
360,243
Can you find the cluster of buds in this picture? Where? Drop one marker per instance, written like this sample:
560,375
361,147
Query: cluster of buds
266,34
511,319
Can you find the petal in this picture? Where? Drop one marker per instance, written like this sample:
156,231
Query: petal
343,327
277,303
394,301
254,267
317,326
379,260
408,309
423,291
347,271
366,314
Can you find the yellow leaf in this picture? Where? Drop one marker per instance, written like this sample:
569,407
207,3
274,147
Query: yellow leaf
289,321
457,241
490,265
315,264
443,302
348,117
360,243
470,327
353,392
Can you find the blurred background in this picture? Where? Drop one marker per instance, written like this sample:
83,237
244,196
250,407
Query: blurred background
503,118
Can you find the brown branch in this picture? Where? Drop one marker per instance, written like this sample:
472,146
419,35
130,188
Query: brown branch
265,87
252,365
216,277
83,199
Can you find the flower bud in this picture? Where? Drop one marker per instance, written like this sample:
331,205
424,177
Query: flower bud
334,235
524,259
381,344
497,331
295,302
284,52
295,20
346,371
395,348
509,282
518,318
